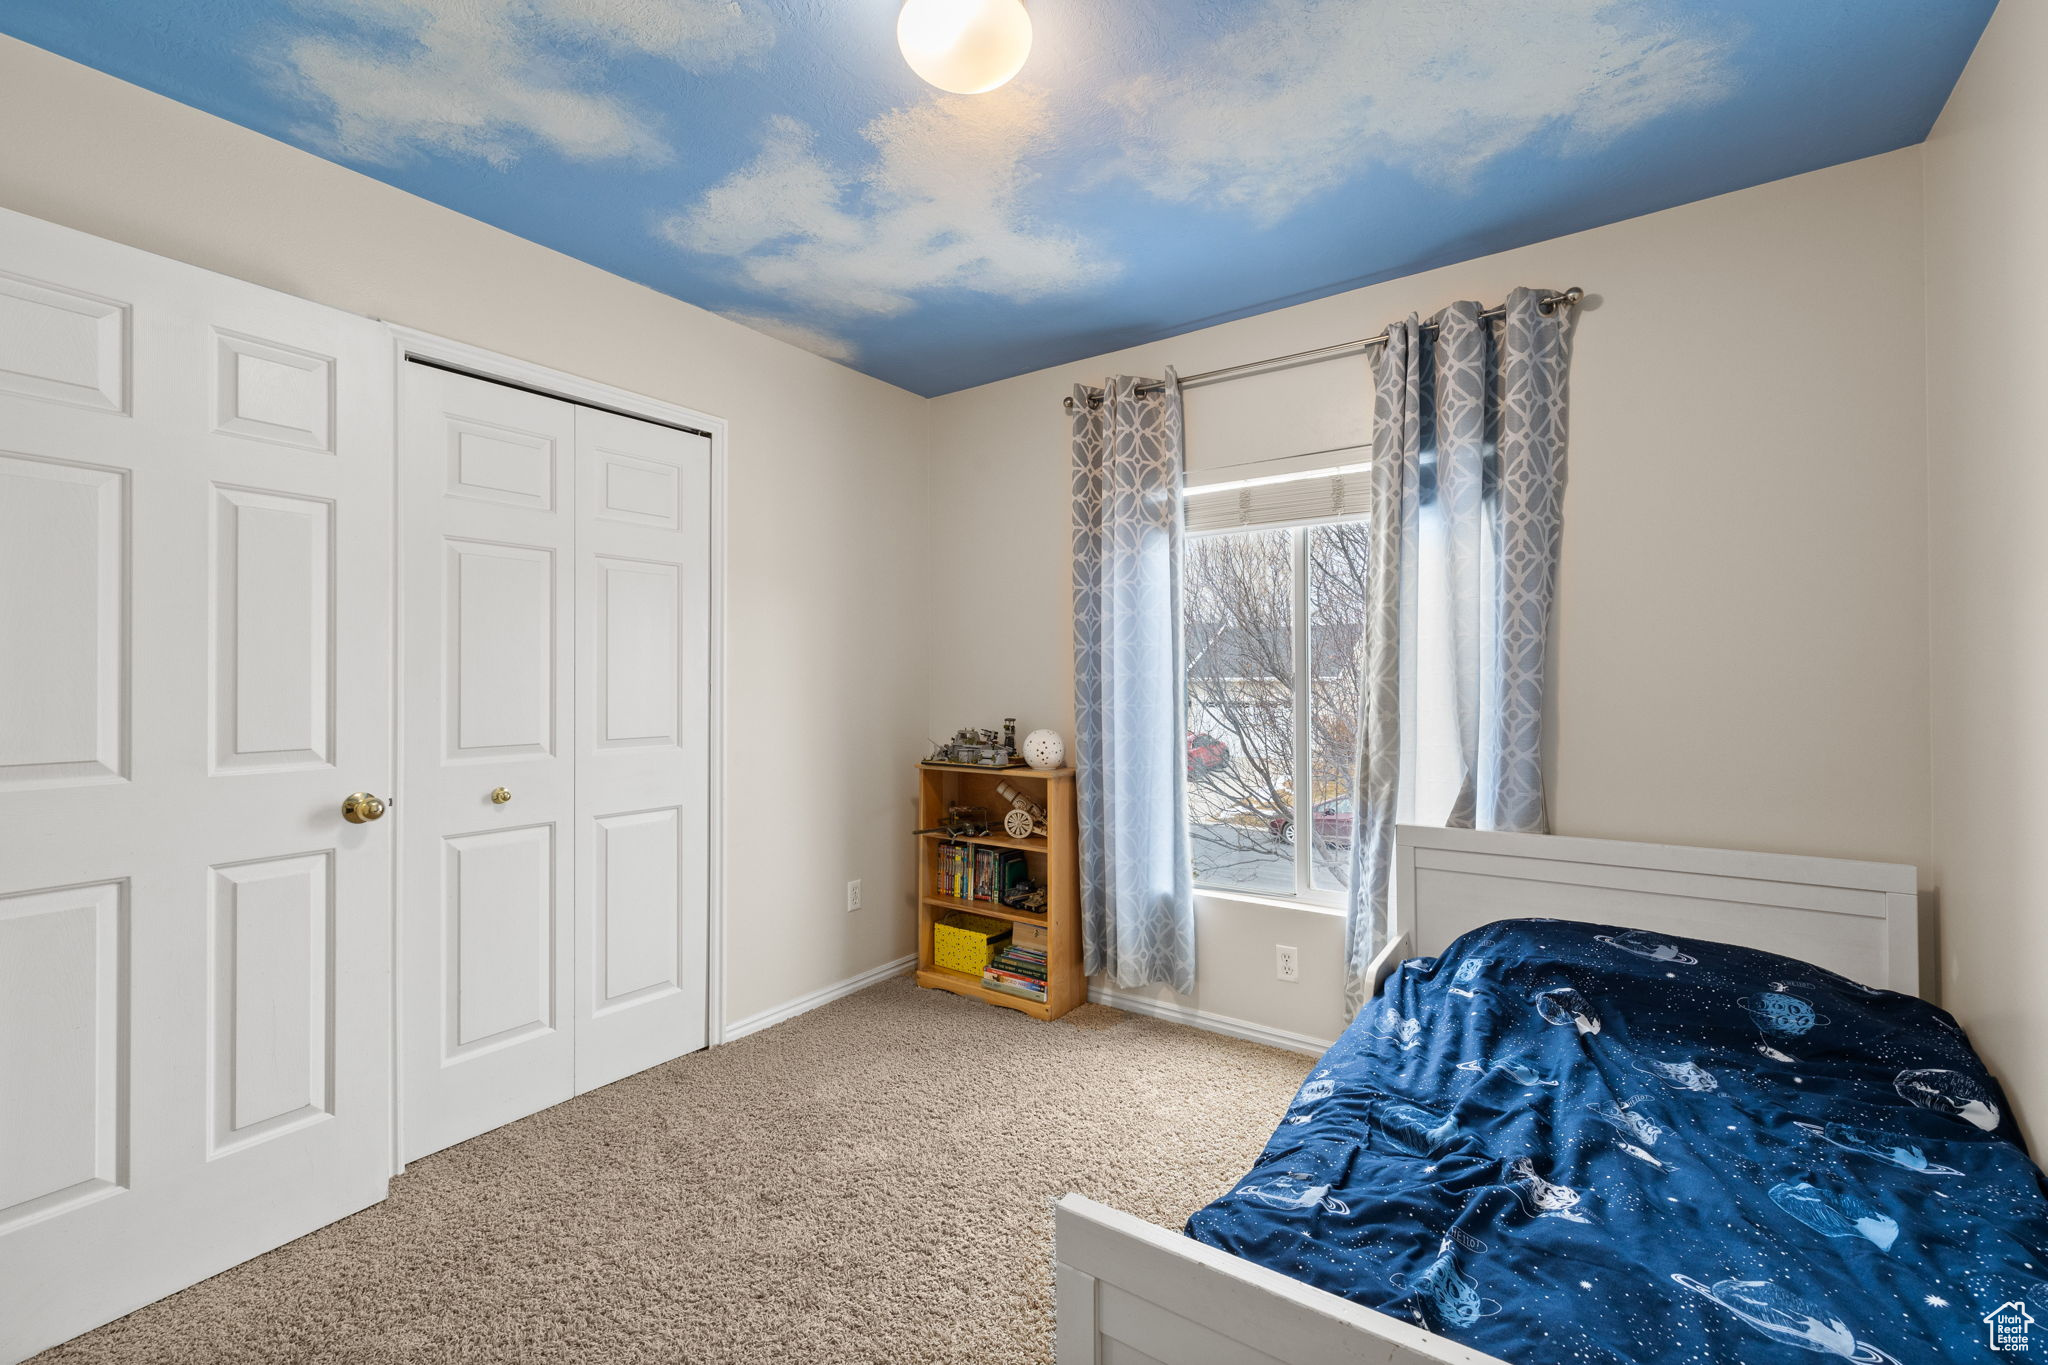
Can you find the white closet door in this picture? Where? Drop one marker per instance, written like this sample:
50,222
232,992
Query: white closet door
642,702
195,656
487,478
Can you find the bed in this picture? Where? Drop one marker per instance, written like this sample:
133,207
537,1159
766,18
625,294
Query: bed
1613,1102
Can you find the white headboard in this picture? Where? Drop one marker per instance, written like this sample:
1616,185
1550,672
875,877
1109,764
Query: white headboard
1859,919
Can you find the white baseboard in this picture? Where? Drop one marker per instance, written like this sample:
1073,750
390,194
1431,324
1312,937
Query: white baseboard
803,1004
1214,1023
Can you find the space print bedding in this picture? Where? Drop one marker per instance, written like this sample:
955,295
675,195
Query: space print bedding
1561,1143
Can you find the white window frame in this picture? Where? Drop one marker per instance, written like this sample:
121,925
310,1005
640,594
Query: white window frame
1305,892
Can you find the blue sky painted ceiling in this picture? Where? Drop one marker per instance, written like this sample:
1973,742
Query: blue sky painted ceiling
1159,165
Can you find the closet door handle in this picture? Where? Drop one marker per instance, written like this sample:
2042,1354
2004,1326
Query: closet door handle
500,795
360,808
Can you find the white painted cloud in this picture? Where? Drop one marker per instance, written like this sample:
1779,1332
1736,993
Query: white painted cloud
494,78
813,339
1306,93
937,208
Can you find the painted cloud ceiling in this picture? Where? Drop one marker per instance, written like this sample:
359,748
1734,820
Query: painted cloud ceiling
1159,165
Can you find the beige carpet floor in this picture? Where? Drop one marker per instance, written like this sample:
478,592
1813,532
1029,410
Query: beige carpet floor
867,1182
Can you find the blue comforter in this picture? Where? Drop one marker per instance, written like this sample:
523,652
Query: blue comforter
1566,1143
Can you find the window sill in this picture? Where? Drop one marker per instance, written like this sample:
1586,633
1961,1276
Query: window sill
1253,898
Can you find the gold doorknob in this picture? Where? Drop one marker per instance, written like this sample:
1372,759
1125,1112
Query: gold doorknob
500,795
360,808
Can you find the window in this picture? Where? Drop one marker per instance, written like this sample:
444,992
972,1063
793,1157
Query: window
1272,619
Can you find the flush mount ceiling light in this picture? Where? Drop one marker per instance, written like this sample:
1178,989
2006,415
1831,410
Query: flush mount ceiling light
965,46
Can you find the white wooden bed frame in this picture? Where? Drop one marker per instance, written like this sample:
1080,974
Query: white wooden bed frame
1129,1293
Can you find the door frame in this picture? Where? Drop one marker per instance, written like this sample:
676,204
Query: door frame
409,343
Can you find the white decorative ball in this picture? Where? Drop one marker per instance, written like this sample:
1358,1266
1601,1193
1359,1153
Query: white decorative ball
1044,749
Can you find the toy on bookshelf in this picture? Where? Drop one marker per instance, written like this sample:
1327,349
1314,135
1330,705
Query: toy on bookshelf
1030,899
1025,817
1013,882
972,748
961,822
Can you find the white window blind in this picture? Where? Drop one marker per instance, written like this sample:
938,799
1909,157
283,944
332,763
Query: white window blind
1283,419
1303,498
1284,448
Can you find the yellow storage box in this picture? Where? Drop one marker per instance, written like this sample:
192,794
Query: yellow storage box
965,943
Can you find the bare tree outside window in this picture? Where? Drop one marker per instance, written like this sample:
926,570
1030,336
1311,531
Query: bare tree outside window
1238,605
1272,712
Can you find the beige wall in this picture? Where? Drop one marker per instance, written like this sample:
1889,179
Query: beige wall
1987,351
824,701
1741,639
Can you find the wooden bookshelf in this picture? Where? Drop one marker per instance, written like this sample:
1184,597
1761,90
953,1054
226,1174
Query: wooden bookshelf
1054,862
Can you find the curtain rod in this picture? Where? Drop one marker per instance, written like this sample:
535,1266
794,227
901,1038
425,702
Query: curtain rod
1549,302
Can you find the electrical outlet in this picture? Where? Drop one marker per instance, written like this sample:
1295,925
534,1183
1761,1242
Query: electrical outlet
853,895
1287,962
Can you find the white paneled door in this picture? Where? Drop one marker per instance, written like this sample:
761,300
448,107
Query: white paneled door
195,671
555,638
485,901
643,514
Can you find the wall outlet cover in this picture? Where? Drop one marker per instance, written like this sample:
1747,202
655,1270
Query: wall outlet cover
853,895
1287,962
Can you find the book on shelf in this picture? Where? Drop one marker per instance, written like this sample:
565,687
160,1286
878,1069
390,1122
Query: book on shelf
971,872
955,873
1016,988
992,977
1017,969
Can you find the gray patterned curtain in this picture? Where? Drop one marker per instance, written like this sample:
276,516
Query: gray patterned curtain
1137,902
1386,724
1469,426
